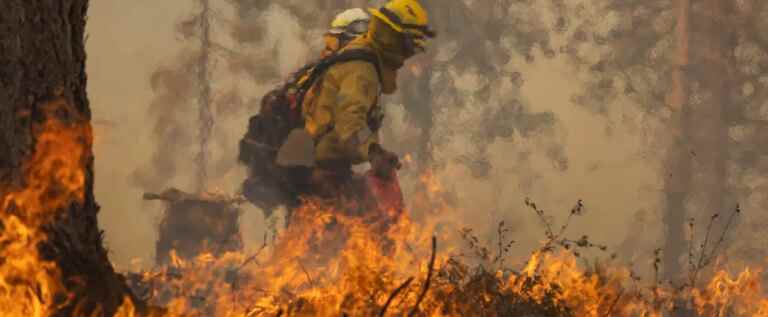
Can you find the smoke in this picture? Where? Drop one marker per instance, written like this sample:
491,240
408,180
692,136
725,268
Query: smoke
708,145
748,111
489,110
175,90
468,103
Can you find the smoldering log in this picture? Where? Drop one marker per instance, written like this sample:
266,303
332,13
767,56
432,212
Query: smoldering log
194,224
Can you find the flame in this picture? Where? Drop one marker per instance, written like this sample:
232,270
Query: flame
431,183
213,191
53,178
407,159
726,295
332,262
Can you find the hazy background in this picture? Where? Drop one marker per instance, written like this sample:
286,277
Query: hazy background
129,40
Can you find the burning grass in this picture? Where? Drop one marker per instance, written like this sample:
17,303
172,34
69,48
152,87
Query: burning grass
328,264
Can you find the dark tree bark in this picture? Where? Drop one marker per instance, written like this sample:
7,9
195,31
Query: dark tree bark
45,117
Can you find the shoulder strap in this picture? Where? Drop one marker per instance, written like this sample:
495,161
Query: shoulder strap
297,76
351,55
323,65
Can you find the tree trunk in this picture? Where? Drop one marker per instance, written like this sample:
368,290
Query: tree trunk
716,79
52,260
678,169
698,160
713,73
191,227
205,116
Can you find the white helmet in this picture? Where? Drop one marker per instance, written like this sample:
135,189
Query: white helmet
351,22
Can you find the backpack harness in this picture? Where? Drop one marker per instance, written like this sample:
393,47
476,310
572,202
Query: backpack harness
269,185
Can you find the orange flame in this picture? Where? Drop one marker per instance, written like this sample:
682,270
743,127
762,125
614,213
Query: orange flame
54,177
328,263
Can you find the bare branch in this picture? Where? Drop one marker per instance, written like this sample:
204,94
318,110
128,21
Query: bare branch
394,294
428,280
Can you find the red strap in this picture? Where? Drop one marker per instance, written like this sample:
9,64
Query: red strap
292,100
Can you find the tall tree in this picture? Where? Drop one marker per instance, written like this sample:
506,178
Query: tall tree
712,73
53,259
678,160
205,116
648,47
185,92
191,224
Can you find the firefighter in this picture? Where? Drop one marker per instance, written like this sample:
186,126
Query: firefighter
345,27
341,112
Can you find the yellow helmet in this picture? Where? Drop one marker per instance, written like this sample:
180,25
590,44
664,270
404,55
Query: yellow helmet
405,16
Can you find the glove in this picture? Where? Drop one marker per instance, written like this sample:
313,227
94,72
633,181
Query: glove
383,163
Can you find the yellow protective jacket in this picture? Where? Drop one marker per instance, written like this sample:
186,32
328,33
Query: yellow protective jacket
338,108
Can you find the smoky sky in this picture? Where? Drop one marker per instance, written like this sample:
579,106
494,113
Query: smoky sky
489,109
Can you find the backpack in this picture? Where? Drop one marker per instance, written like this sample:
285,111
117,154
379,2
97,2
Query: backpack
269,185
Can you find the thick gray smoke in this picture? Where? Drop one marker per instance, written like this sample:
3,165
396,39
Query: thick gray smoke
621,46
172,111
487,110
699,109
